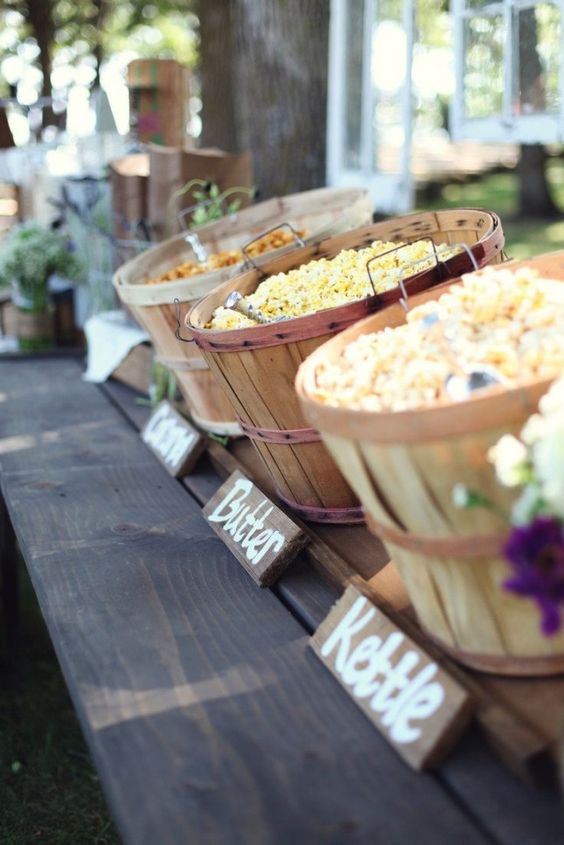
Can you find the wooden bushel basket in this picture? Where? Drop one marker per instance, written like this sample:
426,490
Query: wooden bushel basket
256,366
321,212
404,465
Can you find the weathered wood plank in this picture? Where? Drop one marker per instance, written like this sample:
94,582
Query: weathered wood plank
49,417
504,806
195,689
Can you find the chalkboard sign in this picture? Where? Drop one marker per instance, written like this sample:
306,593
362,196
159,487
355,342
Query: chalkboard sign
414,703
176,443
262,538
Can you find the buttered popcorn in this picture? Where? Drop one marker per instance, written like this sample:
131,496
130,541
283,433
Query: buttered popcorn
509,322
330,282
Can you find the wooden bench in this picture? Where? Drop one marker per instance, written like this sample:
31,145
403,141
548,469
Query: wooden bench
208,717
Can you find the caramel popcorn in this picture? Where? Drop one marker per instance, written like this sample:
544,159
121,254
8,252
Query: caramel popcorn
226,258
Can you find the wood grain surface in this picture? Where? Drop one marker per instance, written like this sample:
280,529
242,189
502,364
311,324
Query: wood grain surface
209,718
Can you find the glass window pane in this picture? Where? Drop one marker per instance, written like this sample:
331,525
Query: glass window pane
537,60
483,66
481,5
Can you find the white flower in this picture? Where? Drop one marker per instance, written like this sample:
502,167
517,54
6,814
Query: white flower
533,430
548,461
509,457
553,399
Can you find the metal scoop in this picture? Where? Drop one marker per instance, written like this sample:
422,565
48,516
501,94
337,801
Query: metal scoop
464,381
197,246
237,302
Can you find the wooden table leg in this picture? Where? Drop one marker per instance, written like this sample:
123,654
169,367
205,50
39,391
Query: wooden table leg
9,584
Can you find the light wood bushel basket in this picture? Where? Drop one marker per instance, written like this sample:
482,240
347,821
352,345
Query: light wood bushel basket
256,366
320,213
403,466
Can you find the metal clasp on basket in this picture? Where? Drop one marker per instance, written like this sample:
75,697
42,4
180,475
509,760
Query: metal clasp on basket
244,247
177,334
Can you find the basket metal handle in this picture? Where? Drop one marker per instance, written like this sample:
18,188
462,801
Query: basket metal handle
244,247
399,274
177,334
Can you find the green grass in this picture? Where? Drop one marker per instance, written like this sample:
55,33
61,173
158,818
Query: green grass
498,192
49,790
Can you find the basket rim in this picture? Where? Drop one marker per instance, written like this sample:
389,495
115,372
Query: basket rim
192,288
493,408
340,317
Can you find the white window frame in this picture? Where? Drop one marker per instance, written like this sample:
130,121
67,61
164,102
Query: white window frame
541,128
391,193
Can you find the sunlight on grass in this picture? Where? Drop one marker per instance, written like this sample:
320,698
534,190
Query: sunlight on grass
498,192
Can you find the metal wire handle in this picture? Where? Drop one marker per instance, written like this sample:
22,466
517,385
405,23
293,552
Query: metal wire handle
299,240
399,273
177,334
469,253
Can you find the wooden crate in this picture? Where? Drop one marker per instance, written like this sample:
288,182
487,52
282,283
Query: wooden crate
159,93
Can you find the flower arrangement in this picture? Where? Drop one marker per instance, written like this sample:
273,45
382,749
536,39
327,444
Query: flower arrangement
28,257
534,548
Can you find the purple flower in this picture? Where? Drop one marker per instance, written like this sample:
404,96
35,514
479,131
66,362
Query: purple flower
536,554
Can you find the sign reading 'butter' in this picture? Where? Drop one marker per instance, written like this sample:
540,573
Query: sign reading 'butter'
418,707
262,538
176,443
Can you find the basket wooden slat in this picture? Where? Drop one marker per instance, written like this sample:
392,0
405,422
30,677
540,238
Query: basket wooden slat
256,366
320,212
403,466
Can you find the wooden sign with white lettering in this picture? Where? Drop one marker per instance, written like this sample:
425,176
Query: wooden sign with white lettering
418,707
176,443
262,538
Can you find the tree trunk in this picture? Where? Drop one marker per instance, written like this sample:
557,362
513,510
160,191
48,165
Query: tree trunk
268,91
102,10
40,18
218,89
535,199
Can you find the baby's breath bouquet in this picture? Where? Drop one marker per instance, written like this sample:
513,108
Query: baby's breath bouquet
533,463
28,257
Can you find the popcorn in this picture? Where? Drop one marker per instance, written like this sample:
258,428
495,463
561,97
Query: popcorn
226,258
509,320
330,282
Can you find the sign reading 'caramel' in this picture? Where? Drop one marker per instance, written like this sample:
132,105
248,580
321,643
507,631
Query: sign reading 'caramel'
415,704
262,538
176,443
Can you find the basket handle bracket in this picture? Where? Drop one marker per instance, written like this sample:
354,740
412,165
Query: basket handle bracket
244,247
177,334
